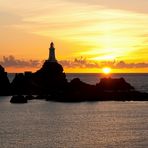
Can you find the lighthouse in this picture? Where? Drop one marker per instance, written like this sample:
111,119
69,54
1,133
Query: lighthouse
52,53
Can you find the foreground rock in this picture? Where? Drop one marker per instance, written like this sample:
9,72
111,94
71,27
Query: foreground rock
4,82
116,84
23,84
108,89
18,99
48,79
49,83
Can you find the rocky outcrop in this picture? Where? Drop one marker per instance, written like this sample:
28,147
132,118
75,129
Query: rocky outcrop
18,99
114,84
50,83
108,89
4,82
22,84
50,77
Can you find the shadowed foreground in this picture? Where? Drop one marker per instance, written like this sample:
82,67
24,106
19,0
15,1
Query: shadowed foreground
50,83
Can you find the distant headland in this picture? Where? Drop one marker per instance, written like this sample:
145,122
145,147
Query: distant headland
50,83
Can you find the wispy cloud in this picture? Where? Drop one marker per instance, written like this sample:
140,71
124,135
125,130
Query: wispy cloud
118,30
11,61
132,5
123,64
81,63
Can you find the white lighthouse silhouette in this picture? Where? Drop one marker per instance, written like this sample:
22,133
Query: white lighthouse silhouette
52,53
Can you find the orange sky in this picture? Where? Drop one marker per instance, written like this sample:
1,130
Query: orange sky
88,35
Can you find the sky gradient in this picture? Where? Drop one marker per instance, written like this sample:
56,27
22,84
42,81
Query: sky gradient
88,35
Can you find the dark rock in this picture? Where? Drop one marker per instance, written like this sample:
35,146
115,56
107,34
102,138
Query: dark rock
81,90
23,84
41,97
50,77
18,99
4,82
18,84
109,89
77,91
50,83
29,97
112,84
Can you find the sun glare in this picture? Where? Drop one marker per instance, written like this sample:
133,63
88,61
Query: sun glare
106,70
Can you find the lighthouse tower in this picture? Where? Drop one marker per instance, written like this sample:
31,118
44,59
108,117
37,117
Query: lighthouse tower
52,53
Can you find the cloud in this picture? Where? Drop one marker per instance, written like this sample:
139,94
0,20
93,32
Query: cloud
132,5
81,62
122,64
8,18
84,63
11,61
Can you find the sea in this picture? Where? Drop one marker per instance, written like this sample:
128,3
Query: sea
41,124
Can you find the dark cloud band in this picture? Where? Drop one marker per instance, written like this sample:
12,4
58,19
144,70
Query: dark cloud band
81,62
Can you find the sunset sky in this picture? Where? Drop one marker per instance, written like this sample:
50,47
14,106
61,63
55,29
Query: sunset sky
88,34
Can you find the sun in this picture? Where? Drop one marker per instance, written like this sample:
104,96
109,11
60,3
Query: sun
106,70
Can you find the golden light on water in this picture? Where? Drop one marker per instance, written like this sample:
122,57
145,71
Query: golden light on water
106,70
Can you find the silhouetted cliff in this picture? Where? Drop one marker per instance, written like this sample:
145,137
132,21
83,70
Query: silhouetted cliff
110,84
50,83
4,82
23,84
48,79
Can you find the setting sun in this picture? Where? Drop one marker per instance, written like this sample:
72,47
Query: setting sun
106,70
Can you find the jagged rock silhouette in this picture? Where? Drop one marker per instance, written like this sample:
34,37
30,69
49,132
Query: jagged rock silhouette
4,82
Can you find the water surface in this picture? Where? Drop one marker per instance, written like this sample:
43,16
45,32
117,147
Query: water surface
41,124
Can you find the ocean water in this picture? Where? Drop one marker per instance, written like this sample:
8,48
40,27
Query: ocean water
41,124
